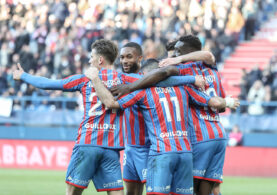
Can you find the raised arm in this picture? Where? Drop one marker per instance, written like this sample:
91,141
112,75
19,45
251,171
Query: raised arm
72,83
102,92
36,81
204,56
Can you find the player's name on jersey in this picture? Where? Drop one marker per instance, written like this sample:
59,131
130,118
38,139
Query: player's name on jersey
209,79
109,83
210,118
177,133
100,126
164,90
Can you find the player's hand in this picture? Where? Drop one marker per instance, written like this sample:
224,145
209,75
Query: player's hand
120,90
170,61
200,82
236,104
18,72
92,72
232,103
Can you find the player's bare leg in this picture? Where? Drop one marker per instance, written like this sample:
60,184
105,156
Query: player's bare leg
118,192
73,190
196,183
133,188
205,187
216,189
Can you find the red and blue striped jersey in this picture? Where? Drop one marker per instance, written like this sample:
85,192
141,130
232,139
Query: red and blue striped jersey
99,126
204,121
135,128
165,114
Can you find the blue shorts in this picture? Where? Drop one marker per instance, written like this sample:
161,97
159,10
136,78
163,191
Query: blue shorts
135,164
208,160
101,165
170,173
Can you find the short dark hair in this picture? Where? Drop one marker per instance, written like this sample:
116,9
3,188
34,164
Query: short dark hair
170,45
134,45
106,48
192,41
149,65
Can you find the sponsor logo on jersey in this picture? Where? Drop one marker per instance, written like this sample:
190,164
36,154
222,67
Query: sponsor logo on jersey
218,175
178,133
199,172
78,182
113,184
163,189
97,126
185,190
144,173
210,118
149,189
124,159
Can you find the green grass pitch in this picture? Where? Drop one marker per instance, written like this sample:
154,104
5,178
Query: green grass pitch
38,182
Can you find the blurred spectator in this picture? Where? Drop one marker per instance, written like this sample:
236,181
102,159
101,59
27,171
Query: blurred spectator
235,23
249,11
235,136
256,95
244,85
254,74
3,81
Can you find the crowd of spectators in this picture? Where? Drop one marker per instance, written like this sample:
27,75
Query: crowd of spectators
52,38
259,86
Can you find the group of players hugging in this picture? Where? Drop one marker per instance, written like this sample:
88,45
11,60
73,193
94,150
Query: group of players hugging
164,114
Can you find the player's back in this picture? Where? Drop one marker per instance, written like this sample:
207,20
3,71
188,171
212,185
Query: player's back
100,126
205,122
135,128
164,111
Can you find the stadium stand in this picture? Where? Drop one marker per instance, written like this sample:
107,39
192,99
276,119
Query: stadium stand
53,38
256,52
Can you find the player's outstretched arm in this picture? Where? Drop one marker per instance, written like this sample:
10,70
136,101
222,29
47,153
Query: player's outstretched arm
156,77
202,99
102,92
204,56
36,81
